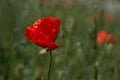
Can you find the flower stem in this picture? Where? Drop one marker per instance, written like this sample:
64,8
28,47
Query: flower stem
95,47
49,70
95,73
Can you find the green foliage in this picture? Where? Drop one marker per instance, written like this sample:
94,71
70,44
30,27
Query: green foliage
75,59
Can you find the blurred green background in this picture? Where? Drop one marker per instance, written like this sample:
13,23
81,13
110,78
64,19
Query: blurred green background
76,58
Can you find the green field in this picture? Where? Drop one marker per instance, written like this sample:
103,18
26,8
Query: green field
78,56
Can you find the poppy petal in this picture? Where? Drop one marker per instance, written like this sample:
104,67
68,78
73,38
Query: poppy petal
44,32
102,35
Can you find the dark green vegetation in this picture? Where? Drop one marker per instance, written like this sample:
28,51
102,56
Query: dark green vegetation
75,59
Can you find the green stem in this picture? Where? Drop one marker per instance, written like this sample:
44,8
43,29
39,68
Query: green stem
95,47
49,70
96,50
7,67
95,73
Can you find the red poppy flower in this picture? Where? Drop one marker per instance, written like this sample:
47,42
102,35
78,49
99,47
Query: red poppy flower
104,36
109,18
44,32
110,40
43,2
67,3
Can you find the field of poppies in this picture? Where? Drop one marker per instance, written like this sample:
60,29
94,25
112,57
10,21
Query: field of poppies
80,39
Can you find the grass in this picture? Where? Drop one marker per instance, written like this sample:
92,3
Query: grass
74,60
